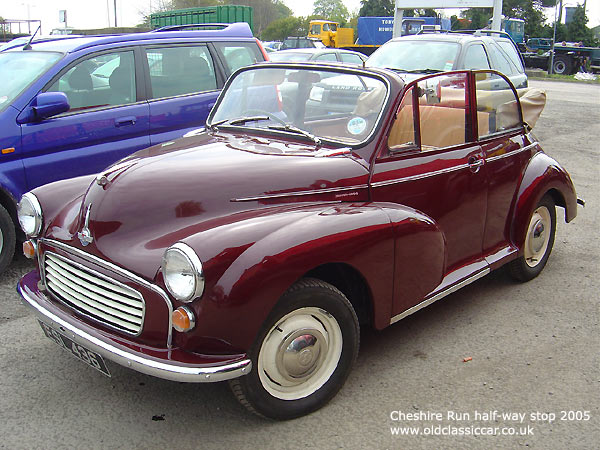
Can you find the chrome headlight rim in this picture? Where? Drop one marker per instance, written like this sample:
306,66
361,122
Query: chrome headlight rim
36,208
195,266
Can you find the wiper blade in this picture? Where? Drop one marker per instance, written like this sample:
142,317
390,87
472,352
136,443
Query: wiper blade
238,121
293,129
424,71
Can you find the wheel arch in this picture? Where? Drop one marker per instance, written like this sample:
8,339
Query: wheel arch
352,284
9,203
543,176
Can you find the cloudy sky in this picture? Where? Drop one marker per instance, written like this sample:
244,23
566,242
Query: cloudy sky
100,13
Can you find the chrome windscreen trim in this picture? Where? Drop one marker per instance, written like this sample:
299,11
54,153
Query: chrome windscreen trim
514,152
113,267
167,370
299,193
449,290
420,176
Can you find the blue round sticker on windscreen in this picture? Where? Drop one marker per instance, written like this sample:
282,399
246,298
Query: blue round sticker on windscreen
357,125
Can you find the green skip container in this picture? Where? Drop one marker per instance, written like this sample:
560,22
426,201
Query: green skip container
204,14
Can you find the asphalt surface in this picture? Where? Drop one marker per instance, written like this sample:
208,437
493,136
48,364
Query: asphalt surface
533,349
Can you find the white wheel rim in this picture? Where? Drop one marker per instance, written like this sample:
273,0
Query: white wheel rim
538,236
300,353
1,241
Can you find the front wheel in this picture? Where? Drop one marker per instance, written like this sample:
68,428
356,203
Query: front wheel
538,242
7,239
303,354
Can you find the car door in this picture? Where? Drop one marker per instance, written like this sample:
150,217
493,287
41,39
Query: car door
432,164
506,151
183,87
108,119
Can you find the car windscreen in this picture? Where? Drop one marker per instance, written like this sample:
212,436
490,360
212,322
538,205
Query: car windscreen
18,69
415,56
317,104
289,56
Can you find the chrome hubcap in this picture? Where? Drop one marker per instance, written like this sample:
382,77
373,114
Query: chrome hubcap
538,236
300,353
303,355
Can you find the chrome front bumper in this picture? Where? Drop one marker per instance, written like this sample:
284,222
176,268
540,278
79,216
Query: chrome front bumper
166,369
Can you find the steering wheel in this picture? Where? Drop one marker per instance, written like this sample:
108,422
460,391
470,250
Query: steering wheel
271,116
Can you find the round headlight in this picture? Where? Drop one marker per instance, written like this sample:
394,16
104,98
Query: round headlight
182,272
29,212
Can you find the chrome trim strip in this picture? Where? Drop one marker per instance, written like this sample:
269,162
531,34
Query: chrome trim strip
514,152
449,290
165,370
420,176
299,193
110,266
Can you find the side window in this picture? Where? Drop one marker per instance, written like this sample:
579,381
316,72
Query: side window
402,133
180,70
500,61
100,81
442,111
238,54
351,59
326,57
497,106
315,29
511,51
476,58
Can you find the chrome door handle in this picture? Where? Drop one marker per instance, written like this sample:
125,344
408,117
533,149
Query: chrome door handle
475,164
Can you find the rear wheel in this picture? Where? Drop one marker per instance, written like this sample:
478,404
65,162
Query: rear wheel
538,242
562,65
303,354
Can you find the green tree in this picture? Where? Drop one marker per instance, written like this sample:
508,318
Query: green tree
331,10
478,17
376,8
281,28
577,30
264,11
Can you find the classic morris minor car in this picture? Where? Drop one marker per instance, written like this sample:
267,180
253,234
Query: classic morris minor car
254,249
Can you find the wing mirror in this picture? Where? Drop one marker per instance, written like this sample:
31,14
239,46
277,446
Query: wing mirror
44,105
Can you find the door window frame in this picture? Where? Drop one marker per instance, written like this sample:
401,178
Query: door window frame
140,82
471,125
217,68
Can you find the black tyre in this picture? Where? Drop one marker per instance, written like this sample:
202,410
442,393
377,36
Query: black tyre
7,239
303,354
562,65
538,242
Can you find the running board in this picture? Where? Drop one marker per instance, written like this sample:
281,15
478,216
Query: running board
449,290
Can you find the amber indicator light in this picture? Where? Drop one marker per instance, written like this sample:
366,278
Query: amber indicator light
29,249
5,151
181,319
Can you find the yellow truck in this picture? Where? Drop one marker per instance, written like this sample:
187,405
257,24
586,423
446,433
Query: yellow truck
332,35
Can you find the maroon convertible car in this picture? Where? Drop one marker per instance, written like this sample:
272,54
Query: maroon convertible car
319,199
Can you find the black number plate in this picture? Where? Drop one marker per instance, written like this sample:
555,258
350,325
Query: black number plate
79,351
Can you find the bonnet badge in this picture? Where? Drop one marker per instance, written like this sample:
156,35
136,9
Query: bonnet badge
85,235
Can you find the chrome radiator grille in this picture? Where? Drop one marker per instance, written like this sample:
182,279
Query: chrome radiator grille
95,295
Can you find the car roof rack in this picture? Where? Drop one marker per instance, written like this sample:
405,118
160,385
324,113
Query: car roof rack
433,31
484,32
190,25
